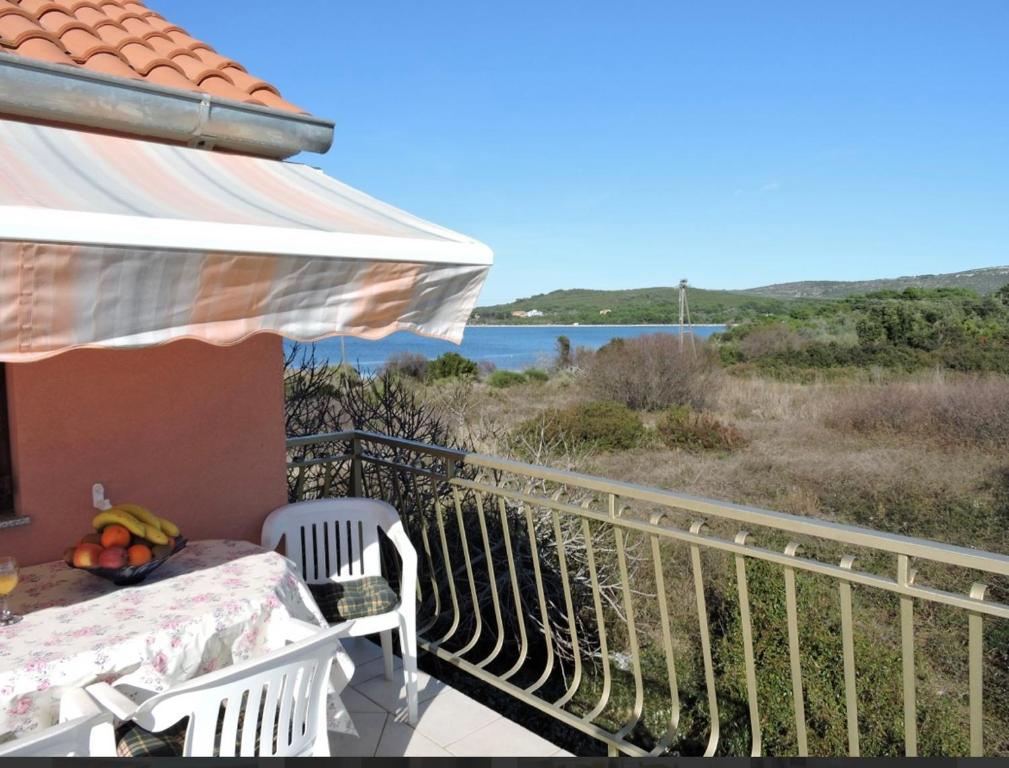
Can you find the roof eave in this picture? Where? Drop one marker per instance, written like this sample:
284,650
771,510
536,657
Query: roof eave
57,93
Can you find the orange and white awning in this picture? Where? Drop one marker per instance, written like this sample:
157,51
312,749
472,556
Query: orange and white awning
114,242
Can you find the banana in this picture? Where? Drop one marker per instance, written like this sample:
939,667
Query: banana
148,518
169,527
118,517
154,535
143,514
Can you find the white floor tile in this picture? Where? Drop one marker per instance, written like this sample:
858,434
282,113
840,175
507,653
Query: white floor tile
361,650
375,668
369,727
391,694
354,701
449,716
400,740
502,738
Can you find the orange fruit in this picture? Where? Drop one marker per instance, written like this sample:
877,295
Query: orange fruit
115,536
139,554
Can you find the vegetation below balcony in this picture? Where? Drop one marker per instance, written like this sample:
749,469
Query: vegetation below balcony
919,453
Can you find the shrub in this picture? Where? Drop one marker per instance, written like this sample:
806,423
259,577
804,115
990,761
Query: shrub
603,426
537,376
408,364
768,340
682,427
451,365
502,379
564,359
652,372
955,411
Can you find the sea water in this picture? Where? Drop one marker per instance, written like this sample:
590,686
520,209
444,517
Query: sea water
509,347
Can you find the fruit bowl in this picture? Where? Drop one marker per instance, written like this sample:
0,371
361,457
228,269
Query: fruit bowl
132,574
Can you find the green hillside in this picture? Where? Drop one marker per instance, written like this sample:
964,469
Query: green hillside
983,281
661,304
640,305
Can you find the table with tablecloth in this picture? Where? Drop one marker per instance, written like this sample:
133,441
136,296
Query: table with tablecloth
215,603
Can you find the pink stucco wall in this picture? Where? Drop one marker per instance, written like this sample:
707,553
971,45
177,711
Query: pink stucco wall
193,431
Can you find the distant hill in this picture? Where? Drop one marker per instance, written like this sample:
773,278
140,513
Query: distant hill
635,306
985,280
661,304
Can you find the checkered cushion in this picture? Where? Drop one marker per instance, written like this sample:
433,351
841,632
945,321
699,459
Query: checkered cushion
134,741
354,599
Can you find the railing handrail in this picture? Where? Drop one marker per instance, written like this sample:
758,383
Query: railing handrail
894,543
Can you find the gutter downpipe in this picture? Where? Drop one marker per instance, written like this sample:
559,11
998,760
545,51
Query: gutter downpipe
74,96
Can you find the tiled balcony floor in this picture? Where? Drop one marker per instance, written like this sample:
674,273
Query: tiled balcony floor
450,723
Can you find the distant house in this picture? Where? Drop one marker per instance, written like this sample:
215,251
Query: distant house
534,313
604,311
519,313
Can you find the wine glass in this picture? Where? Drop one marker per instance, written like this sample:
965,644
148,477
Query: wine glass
8,580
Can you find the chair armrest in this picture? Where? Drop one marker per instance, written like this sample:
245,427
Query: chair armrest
397,535
119,704
296,630
76,703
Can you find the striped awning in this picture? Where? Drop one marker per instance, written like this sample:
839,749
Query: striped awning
114,242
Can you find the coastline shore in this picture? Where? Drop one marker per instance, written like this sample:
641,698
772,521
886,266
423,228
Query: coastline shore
596,325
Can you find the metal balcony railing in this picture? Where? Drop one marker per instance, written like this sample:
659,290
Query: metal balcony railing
592,600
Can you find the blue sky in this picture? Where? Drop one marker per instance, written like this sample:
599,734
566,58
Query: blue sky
629,144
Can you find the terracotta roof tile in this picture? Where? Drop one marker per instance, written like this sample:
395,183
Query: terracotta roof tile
125,38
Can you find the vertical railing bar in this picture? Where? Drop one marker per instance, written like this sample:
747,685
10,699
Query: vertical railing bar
516,593
667,641
576,652
432,571
702,616
327,479
467,559
905,577
492,584
975,661
795,663
632,633
742,587
356,469
299,482
848,652
449,573
548,635
597,602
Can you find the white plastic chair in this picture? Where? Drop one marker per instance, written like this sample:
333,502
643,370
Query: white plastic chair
337,540
84,730
281,695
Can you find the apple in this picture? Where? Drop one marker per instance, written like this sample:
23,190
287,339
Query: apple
112,557
86,555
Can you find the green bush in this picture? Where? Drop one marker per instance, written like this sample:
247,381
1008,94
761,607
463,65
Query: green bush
502,379
537,376
682,427
601,426
451,365
407,364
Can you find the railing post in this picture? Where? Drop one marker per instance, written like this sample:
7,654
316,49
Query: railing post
356,478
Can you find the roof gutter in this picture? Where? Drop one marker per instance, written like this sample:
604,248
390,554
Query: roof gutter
66,95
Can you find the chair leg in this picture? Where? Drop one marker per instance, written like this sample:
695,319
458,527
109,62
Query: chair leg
408,645
387,652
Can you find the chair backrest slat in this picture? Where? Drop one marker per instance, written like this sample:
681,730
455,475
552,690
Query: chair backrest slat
250,725
331,538
283,720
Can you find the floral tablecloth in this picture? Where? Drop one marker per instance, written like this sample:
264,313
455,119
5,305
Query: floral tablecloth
214,603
